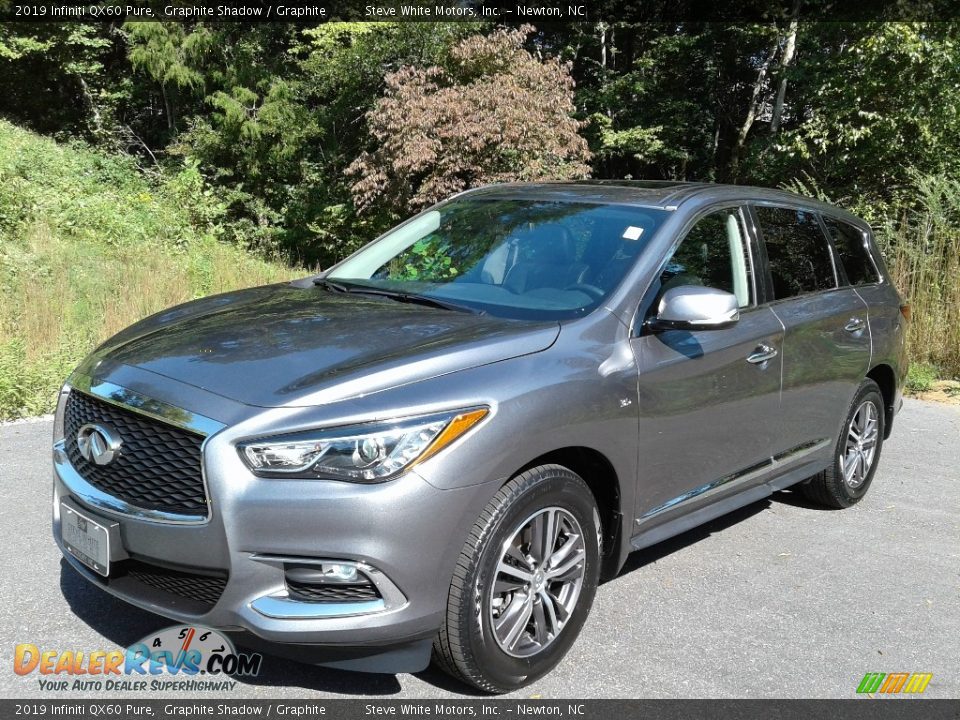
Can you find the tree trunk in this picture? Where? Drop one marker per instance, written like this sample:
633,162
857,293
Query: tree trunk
167,107
602,28
752,109
785,61
91,106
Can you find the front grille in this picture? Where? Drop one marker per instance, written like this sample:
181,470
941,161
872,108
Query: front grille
332,593
158,466
204,589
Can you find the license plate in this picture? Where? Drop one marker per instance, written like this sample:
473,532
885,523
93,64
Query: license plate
86,539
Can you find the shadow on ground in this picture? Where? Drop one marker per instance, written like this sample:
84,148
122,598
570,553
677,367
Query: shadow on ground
641,558
124,624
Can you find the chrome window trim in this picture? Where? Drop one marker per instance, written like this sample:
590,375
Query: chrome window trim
139,404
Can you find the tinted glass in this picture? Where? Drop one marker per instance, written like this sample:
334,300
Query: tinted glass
851,246
528,259
797,251
714,254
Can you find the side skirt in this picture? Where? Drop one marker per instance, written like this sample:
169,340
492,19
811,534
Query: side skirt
776,481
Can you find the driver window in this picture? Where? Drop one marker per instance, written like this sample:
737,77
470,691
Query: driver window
714,254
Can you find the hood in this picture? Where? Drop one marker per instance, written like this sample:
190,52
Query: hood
288,346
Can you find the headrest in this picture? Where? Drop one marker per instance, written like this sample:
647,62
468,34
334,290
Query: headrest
548,244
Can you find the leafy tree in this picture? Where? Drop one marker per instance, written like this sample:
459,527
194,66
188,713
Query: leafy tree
58,78
341,68
282,117
171,55
495,113
673,101
869,105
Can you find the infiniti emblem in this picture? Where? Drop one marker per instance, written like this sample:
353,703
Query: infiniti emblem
98,444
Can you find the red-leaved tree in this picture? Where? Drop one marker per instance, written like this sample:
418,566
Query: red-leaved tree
495,114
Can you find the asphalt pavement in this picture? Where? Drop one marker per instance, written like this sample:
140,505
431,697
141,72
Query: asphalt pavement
780,599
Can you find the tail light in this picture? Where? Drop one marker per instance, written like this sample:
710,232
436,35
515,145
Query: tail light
905,311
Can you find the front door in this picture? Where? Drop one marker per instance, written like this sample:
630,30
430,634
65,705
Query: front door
709,401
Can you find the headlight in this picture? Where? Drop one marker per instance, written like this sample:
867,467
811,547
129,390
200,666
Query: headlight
371,452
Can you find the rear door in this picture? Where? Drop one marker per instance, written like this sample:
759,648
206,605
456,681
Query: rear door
708,400
826,347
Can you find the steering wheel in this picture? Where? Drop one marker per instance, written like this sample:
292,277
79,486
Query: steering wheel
591,290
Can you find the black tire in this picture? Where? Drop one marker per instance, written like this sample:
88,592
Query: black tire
830,488
466,646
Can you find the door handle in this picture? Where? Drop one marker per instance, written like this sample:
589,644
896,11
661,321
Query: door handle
762,354
854,325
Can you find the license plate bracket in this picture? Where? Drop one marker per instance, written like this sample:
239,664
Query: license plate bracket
86,539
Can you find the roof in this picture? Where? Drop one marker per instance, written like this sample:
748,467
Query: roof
664,194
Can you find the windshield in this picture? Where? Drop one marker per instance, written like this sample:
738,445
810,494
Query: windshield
526,259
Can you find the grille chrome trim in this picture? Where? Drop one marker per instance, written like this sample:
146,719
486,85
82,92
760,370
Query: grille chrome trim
96,498
139,404
143,405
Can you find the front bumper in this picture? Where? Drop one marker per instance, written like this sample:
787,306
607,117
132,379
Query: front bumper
405,535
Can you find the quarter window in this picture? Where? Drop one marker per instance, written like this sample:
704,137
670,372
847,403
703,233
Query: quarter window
797,251
851,245
714,254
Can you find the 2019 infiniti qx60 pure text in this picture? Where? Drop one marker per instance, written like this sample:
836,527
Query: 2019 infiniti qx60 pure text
443,443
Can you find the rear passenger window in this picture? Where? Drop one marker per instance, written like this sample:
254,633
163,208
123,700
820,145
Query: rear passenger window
797,251
851,245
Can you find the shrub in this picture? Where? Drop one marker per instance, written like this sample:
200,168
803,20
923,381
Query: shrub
496,114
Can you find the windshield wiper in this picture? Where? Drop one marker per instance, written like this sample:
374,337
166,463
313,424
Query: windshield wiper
331,285
430,301
405,297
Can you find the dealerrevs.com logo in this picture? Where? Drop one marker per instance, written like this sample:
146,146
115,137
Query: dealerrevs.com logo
180,658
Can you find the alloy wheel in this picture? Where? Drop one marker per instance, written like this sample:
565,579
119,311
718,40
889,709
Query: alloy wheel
537,582
861,445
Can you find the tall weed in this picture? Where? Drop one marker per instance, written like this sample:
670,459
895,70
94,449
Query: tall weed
88,245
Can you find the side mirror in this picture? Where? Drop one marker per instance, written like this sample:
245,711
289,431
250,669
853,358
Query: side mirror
693,307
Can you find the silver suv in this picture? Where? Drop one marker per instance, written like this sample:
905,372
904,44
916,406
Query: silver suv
443,443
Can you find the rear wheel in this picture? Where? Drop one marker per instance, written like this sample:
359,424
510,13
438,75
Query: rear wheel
524,583
856,454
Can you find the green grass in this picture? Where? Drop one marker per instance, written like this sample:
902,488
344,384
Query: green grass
922,250
921,377
88,245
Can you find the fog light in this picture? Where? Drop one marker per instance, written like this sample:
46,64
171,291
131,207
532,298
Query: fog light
340,573
324,574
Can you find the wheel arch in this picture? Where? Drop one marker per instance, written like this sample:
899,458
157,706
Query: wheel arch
884,376
601,477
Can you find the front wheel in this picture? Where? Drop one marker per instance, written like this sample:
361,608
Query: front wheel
856,455
524,583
